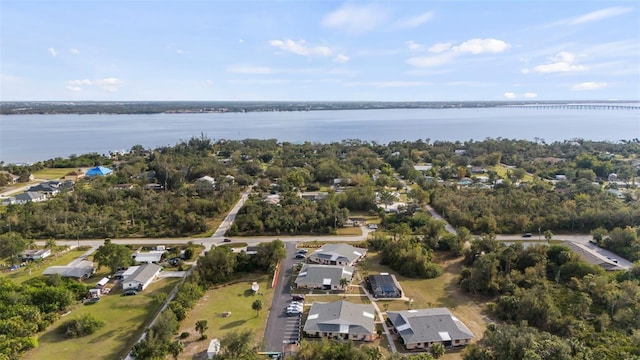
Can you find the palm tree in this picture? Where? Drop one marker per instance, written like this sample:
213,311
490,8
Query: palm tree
344,283
437,350
257,306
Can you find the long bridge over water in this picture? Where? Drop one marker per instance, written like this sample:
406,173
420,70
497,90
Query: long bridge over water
578,106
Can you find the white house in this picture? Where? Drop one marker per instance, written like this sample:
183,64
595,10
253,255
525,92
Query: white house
142,277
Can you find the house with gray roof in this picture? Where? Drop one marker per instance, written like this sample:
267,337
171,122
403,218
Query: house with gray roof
420,329
338,254
324,277
141,277
29,196
341,320
79,270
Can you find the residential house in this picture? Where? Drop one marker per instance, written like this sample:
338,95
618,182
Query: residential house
24,198
207,180
142,277
150,257
48,187
420,329
478,170
11,178
75,175
338,254
30,255
324,277
314,195
423,168
384,286
613,177
341,320
80,270
98,171
561,177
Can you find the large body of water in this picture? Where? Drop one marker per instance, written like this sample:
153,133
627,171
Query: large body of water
32,138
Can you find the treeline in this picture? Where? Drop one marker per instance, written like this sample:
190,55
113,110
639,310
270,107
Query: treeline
507,209
31,307
97,210
624,242
291,215
558,306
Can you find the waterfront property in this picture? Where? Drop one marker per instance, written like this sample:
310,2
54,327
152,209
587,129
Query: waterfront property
338,254
341,320
420,329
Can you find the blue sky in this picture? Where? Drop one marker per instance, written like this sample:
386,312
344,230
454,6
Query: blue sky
319,50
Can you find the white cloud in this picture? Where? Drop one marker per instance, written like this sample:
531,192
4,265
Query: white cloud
248,69
301,48
356,19
479,46
415,21
52,51
83,82
439,47
525,71
430,61
562,62
414,46
74,51
259,81
589,86
240,41
179,51
446,52
342,59
108,84
600,15
208,82
509,95
530,95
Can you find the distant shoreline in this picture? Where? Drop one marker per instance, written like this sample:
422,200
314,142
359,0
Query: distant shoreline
200,107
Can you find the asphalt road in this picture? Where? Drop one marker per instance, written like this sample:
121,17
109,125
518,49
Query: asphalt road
281,327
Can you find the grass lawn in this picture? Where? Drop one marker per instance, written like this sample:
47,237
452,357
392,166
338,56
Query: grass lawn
236,298
439,292
213,224
349,231
52,173
36,268
125,319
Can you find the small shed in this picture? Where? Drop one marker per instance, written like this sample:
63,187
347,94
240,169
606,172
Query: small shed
102,282
213,349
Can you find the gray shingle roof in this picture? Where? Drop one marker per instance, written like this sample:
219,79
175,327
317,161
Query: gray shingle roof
312,274
428,325
340,317
144,273
338,252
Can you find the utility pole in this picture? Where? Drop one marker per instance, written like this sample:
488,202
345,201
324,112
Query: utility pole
539,234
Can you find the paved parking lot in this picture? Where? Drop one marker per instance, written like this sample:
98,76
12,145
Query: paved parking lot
292,330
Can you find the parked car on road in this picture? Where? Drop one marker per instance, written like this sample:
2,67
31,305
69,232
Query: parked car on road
227,240
303,251
129,293
297,297
526,235
300,256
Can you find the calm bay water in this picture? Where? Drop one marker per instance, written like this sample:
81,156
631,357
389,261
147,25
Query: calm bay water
31,138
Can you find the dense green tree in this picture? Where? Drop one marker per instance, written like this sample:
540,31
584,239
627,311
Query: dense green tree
113,256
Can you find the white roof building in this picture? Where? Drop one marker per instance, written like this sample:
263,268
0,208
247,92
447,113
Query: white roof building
142,277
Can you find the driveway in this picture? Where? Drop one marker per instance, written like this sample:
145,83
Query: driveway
281,328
